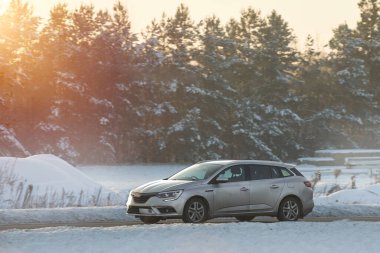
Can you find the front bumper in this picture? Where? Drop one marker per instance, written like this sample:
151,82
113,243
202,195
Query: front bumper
158,211
154,206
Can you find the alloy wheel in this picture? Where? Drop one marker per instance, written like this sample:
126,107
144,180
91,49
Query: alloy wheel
290,210
195,211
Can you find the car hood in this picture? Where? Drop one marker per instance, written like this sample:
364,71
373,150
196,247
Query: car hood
162,185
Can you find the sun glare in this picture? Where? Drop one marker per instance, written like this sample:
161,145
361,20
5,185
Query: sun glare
3,5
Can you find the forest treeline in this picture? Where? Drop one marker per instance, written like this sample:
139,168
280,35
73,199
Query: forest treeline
83,86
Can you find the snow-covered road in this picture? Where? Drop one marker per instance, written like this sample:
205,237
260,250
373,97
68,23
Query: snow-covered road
117,214
318,237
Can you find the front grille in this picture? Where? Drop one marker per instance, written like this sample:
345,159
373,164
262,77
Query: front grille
141,198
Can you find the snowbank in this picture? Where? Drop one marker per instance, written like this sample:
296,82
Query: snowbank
47,181
369,195
50,171
347,151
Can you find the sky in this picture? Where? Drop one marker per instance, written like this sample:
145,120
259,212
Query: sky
315,17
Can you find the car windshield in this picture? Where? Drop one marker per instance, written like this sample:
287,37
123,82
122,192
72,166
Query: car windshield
196,172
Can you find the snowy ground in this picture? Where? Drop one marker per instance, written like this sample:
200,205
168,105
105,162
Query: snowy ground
318,237
68,215
341,236
118,214
46,181
51,172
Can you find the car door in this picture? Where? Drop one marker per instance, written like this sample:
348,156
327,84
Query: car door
266,186
233,195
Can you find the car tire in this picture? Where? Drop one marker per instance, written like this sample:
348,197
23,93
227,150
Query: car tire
289,209
195,211
245,218
149,220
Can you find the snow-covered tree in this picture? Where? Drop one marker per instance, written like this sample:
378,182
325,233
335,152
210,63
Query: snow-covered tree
178,75
277,58
243,51
112,85
215,96
54,71
18,28
352,63
368,30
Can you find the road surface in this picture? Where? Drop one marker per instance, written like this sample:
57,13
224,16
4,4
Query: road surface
217,220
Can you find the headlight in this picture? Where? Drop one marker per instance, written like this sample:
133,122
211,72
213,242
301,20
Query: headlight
129,198
170,195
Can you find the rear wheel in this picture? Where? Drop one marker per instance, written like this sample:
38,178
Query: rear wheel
245,218
149,220
195,211
289,210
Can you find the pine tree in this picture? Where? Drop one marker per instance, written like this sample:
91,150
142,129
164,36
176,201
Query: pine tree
264,75
55,71
179,72
277,58
244,51
355,55
368,30
18,28
113,53
319,104
151,96
353,63
216,98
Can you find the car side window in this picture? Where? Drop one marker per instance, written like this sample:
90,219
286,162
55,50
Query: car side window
285,172
259,172
235,173
279,172
276,172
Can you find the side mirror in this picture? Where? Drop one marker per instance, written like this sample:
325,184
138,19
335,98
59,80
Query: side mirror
221,179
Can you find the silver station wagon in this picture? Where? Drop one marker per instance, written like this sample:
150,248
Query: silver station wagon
241,189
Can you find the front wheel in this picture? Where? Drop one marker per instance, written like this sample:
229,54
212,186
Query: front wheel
289,210
149,220
245,218
195,211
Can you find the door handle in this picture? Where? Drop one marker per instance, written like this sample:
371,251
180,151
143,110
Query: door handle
243,189
274,186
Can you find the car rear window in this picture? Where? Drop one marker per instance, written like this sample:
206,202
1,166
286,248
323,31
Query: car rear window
296,172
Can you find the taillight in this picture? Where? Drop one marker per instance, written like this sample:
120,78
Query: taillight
307,184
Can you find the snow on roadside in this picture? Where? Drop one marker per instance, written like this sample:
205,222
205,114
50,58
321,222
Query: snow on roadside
312,237
64,215
48,170
43,170
344,210
48,181
369,195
